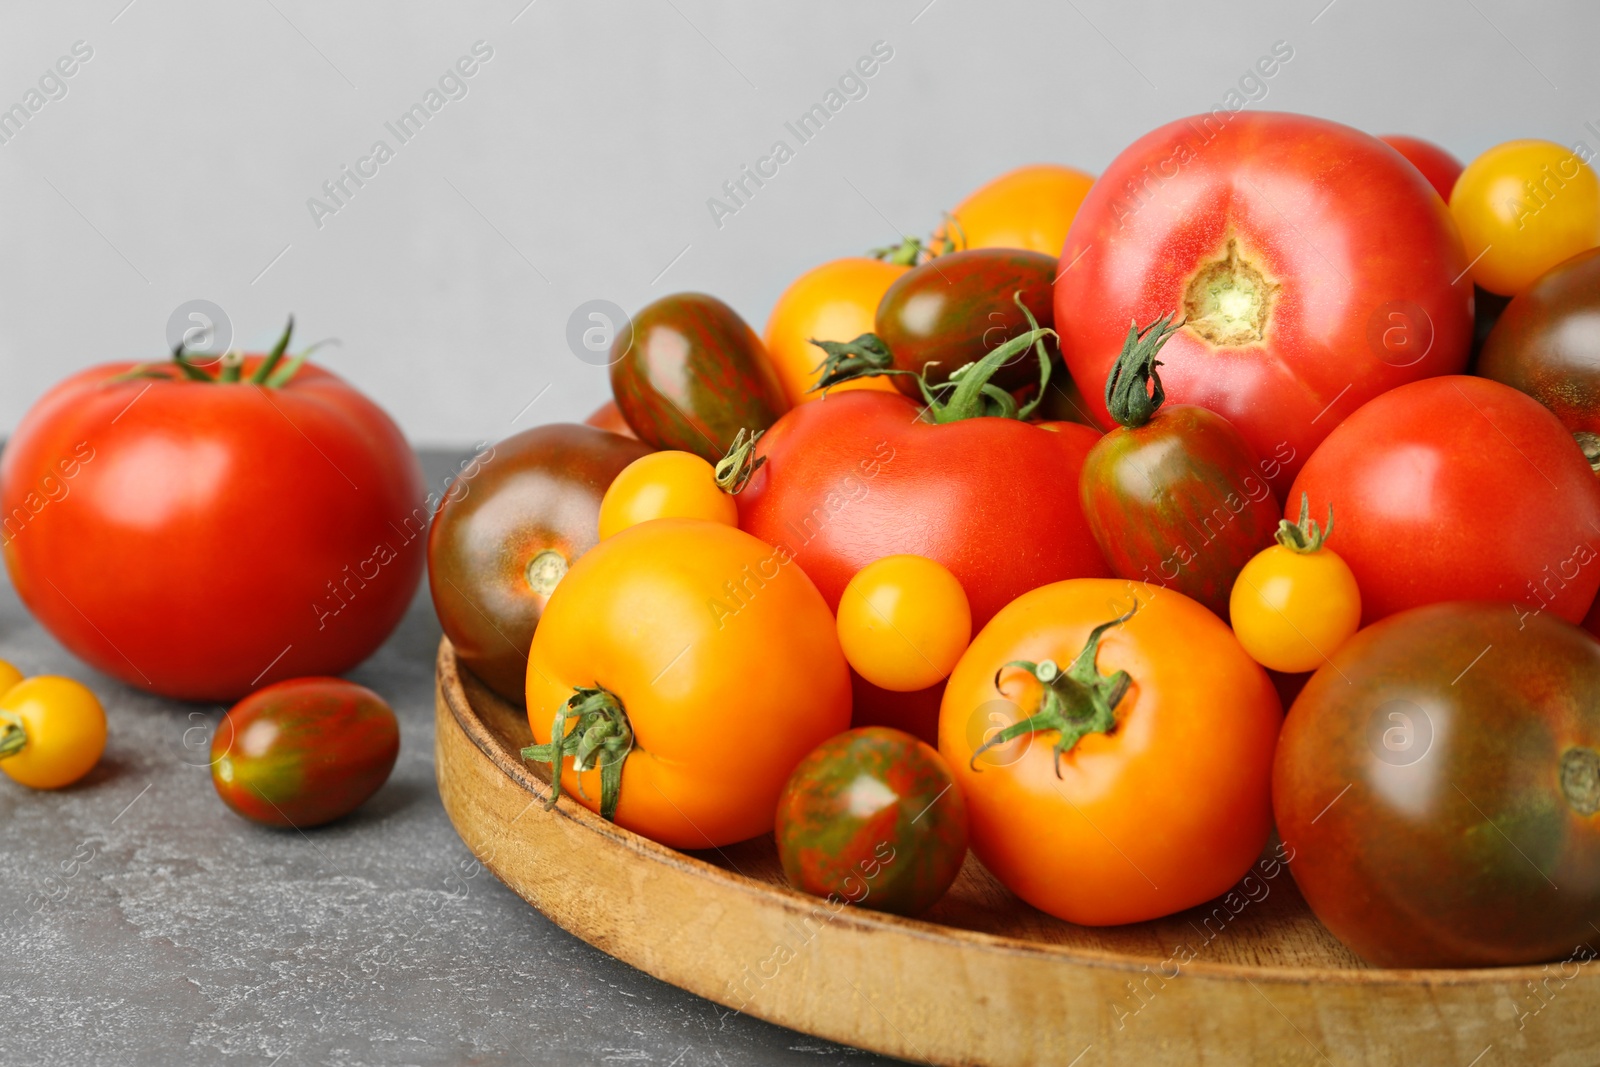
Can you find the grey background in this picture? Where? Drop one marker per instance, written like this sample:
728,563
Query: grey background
579,163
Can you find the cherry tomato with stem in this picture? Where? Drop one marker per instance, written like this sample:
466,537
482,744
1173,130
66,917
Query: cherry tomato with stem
1296,602
833,302
52,731
678,485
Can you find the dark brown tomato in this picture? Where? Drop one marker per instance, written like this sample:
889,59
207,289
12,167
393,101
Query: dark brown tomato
873,817
506,532
1436,787
691,374
1179,502
955,309
1547,344
304,752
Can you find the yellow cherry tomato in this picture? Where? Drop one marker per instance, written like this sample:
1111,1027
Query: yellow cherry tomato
1522,207
904,622
53,731
9,676
665,485
834,302
1296,602
1030,207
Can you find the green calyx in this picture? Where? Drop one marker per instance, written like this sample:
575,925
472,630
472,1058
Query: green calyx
13,738
1074,702
601,737
1133,388
968,394
273,372
1304,536
913,250
733,470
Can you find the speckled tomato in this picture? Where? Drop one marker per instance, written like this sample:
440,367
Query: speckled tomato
507,530
1173,494
690,374
1437,785
304,752
953,310
873,817
1547,344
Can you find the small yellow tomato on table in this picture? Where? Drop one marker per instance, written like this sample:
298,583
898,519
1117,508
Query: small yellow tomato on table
52,730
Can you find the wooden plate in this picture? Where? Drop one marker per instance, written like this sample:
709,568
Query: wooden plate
984,979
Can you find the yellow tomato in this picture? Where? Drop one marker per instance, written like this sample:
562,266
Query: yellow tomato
1296,602
9,676
53,731
1030,207
904,622
1522,207
665,485
837,301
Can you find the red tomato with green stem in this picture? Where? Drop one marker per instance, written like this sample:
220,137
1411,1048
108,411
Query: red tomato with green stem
1460,488
198,536
1173,494
1315,269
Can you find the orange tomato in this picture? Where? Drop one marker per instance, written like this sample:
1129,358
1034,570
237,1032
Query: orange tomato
665,485
1030,207
837,301
699,658
1165,804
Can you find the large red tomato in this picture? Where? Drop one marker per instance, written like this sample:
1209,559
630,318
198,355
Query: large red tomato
1316,268
858,477
201,538
1459,488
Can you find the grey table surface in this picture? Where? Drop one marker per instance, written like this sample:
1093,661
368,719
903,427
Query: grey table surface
148,924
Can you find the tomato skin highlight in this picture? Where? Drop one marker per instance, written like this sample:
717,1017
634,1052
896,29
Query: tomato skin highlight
955,309
690,374
304,752
724,658
1179,502
1167,811
1459,488
1547,342
872,816
208,533
995,501
1435,164
504,537
65,727
1439,770
832,302
1350,234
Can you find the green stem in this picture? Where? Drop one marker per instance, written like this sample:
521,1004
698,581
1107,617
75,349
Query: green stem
1074,702
733,471
904,254
865,357
1133,388
13,738
190,371
232,363
271,362
1304,537
601,737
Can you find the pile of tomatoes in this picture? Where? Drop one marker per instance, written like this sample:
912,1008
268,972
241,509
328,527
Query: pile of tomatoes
1020,538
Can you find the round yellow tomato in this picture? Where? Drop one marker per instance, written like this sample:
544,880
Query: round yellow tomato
689,667
1296,602
9,676
904,622
1522,207
52,731
1116,763
665,485
837,301
1031,207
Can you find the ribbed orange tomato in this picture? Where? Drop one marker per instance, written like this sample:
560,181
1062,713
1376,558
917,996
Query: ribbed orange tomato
834,302
1030,207
689,667
1160,797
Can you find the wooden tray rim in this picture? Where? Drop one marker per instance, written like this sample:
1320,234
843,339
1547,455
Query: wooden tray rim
450,685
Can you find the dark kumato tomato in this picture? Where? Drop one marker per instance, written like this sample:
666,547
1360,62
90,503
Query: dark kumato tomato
1437,786
304,752
872,816
506,532
689,374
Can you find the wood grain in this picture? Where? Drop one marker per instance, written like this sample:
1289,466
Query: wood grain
984,978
